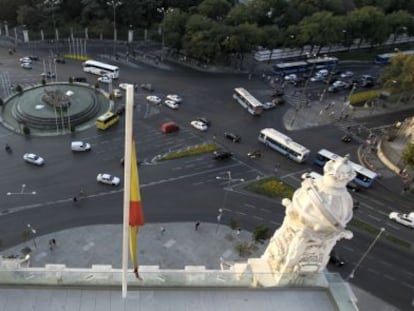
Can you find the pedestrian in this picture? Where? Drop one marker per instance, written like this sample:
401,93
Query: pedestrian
197,224
162,230
75,199
238,231
54,242
51,245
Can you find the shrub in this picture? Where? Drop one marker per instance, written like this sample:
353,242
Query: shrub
243,249
26,130
25,235
361,97
271,187
193,150
43,81
234,224
70,79
19,88
260,233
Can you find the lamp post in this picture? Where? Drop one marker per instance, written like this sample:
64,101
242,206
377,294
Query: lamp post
352,274
114,5
33,231
52,4
163,11
229,180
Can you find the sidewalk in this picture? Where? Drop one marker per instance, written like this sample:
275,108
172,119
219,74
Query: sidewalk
178,246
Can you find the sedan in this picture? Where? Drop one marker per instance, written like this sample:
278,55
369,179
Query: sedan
117,93
171,104
291,77
403,219
340,84
222,155
104,79
153,99
268,105
33,159
108,179
317,78
347,74
26,65
199,125
174,97
204,120
25,59
233,137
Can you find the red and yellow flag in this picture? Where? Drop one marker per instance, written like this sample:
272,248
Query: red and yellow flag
136,215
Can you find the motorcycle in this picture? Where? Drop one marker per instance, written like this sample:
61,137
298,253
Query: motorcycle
254,154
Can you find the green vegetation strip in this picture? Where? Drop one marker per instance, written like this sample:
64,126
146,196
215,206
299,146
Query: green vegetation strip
190,151
357,223
271,187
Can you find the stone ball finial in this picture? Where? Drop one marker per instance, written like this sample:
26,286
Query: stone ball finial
340,171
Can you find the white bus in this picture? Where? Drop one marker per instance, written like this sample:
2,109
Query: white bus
101,69
247,100
284,144
364,177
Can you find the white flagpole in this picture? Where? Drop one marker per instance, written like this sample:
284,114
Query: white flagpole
129,111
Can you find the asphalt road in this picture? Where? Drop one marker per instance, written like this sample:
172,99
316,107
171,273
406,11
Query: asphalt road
186,189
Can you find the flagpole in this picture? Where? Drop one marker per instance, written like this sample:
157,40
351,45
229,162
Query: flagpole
129,110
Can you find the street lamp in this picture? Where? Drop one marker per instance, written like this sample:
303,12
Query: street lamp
114,5
33,231
52,4
352,274
229,180
220,214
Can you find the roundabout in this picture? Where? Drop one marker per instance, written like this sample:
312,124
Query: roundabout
54,109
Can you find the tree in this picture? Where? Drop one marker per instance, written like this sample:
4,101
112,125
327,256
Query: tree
399,22
214,9
174,25
408,155
260,233
271,39
239,14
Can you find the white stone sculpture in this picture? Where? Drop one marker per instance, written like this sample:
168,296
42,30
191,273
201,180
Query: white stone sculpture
315,219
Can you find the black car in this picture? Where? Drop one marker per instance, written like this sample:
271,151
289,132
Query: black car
80,79
34,57
60,60
353,186
222,155
120,110
233,137
336,260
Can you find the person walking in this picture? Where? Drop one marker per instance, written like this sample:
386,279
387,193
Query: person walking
162,230
197,224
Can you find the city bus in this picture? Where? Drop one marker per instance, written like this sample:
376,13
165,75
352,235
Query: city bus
364,177
322,63
246,100
283,69
106,120
283,144
384,59
101,69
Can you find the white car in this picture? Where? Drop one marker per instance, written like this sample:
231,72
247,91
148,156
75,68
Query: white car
347,74
80,146
291,77
153,99
108,179
171,104
25,59
339,84
322,72
117,93
33,159
26,65
199,125
317,77
174,97
403,219
268,105
104,79
123,86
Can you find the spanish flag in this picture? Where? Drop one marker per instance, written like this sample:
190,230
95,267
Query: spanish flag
136,215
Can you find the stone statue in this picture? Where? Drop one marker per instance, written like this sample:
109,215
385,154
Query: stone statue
56,99
315,219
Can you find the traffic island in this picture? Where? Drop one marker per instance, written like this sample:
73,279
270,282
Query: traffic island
54,109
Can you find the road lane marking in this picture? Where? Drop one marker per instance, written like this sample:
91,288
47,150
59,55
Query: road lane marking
373,217
249,205
408,285
258,218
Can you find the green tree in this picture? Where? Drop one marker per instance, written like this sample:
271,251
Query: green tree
408,155
399,75
214,9
239,14
271,39
399,22
174,25
29,16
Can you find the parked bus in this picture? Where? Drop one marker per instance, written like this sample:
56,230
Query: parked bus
383,59
322,63
246,100
283,69
364,177
106,120
101,69
283,144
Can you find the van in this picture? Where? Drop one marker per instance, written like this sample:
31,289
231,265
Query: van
169,127
80,146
